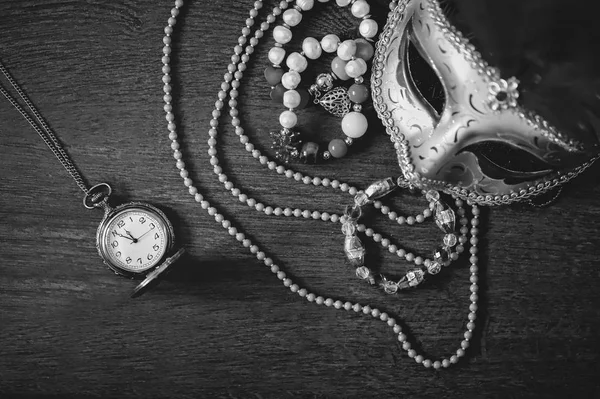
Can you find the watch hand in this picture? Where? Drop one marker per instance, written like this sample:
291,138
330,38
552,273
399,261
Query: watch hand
140,237
133,239
121,235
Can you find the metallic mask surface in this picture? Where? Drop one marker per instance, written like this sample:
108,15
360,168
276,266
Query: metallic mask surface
457,150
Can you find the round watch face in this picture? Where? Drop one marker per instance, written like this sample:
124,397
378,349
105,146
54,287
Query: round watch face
134,238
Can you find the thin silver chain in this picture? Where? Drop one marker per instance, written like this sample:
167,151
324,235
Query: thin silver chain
42,128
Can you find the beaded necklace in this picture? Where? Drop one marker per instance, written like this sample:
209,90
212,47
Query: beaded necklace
346,103
229,89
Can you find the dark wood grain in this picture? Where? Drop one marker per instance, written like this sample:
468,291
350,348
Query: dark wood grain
222,325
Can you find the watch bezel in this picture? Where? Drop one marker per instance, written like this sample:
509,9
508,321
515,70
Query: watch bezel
101,233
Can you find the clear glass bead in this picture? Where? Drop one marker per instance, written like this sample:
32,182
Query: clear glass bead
354,250
361,199
432,196
353,212
450,240
389,287
441,255
444,217
348,229
415,277
434,268
380,188
363,272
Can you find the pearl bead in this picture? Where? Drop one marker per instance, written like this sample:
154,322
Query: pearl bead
346,50
311,48
330,43
282,35
292,17
291,79
360,8
305,5
288,119
297,62
276,55
354,125
355,68
368,28
291,99
343,3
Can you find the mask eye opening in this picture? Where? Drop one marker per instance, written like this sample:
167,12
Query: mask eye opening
423,78
508,161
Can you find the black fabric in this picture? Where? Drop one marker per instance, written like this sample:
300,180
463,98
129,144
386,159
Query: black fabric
551,46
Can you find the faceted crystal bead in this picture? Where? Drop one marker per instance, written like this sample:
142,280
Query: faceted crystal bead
354,250
353,212
361,199
434,268
450,240
389,287
348,228
380,188
441,255
444,217
363,272
415,277
432,196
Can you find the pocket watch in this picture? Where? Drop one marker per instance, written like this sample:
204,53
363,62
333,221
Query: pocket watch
134,239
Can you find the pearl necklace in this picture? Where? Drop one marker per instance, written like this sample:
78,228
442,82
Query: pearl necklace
229,87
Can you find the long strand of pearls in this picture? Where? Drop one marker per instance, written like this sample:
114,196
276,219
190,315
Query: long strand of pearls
229,88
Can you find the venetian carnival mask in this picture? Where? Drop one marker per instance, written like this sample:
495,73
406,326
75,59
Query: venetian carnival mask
450,149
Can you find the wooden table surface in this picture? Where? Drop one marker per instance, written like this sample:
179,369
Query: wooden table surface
221,324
